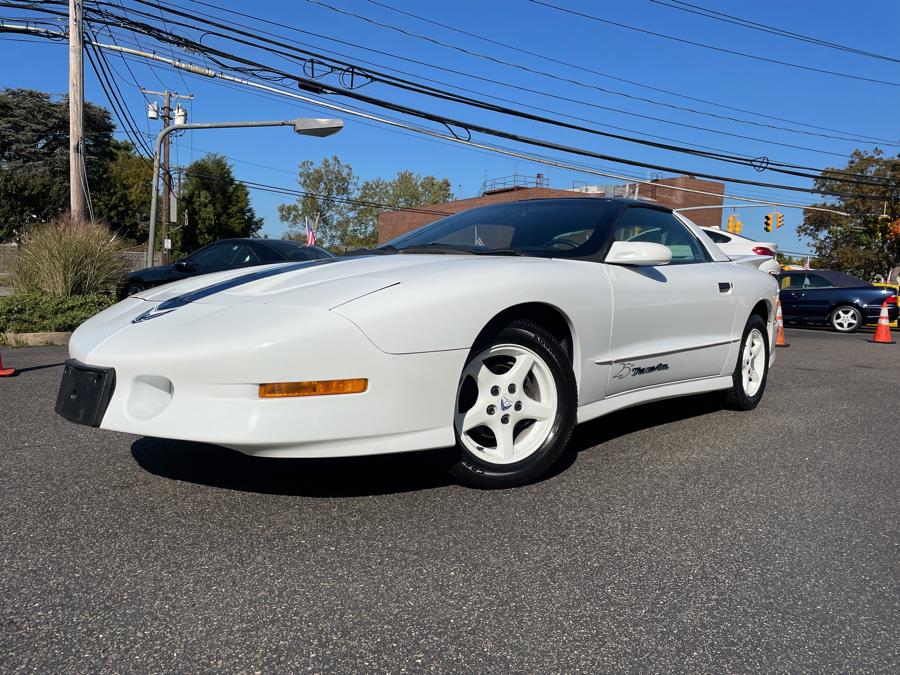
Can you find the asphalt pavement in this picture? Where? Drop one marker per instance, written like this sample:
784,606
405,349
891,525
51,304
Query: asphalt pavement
680,536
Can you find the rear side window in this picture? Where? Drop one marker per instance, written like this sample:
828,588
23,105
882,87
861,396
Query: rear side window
660,227
717,237
291,250
815,281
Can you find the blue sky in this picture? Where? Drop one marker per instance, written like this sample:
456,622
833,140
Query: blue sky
271,156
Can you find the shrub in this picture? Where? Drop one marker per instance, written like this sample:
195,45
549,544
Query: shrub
40,313
66,257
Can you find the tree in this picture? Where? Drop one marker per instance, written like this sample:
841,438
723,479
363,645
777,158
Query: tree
34,157
867,243
126,201
347,212
216,205
329,190
407,190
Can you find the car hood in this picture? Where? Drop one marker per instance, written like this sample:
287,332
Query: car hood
326,283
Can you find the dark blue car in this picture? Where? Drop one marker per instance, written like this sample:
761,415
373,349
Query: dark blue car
835,298
226,254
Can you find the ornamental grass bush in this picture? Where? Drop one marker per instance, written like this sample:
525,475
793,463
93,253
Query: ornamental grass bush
66,258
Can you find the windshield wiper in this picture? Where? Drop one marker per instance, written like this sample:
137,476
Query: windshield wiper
499,251
457,249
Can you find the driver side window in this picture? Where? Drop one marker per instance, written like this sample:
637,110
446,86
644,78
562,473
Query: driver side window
659,227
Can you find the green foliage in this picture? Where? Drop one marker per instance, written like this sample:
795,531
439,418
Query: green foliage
866,243
39,313
347,212
217,206
125,205
34,157
329,186
65,258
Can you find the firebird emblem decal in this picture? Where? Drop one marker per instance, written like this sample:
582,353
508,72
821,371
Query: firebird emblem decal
626,369
150,314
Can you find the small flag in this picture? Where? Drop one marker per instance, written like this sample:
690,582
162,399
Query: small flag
806,264
310,235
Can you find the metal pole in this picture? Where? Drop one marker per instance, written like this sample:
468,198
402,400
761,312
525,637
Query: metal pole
306,127
77,177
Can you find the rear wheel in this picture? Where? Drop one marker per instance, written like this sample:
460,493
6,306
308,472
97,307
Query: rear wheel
846,319
752,370
515,408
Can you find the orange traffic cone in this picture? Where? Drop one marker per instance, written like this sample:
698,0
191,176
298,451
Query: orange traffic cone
883,329
779,327
5,372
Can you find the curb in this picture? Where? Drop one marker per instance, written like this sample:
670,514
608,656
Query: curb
34,339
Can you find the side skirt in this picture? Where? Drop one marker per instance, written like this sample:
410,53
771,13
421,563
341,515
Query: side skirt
648,394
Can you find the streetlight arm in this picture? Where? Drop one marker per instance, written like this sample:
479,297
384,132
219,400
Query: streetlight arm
303,126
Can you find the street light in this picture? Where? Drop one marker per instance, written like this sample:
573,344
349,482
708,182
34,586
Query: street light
303,126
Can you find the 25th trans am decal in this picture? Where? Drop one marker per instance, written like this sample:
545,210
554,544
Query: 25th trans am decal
631,370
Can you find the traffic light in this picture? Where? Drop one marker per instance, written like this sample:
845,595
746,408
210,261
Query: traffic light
731,220
738,227
769,218
779,220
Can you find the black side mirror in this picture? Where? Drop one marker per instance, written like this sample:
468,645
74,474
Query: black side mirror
185,266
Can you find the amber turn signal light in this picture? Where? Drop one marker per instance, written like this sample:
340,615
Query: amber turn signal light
313,388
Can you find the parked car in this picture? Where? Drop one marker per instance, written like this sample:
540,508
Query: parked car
736,246
226,254
492,332
836,298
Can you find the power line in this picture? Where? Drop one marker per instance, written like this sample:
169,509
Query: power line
579,83
529,90
404,109
613,77
411,86
723,50
451,137
753,25
494,132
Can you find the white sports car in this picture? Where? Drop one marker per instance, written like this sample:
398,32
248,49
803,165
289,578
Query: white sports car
495,330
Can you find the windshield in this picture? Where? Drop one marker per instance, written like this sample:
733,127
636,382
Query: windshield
559,228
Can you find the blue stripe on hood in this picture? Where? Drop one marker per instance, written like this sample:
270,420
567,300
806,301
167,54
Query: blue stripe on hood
199,294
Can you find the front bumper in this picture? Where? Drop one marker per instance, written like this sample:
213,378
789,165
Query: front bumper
194,375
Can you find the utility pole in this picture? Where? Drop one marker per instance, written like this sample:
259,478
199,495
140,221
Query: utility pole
77,177
166,116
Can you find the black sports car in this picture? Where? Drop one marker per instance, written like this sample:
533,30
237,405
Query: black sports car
220,255
836,298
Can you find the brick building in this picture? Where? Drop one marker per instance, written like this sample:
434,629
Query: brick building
395,223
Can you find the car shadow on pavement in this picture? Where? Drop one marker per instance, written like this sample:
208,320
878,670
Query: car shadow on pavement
378,474
595,433
340,477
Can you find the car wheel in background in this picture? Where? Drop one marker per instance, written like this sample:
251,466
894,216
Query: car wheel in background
752,371
131,288
515,408
845,319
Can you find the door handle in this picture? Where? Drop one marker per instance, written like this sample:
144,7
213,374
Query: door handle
724,286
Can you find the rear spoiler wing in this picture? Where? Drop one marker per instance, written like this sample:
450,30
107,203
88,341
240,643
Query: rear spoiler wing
751,260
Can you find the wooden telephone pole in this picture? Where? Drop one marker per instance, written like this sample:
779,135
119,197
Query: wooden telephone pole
77,176
166,116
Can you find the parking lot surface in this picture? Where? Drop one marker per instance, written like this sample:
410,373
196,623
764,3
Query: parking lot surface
680,536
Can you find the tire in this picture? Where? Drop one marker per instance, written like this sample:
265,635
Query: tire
846,319
519,383
131,288
752,370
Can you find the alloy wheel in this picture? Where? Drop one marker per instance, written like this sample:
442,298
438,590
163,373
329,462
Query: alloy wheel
753,366
506,404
